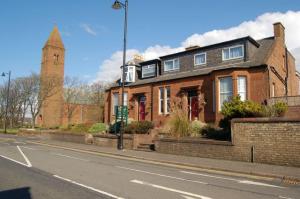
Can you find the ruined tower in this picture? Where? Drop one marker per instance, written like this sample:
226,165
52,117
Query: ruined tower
52,80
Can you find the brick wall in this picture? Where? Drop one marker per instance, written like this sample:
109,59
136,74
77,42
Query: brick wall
273,141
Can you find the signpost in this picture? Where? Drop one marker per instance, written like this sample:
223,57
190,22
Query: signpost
119,112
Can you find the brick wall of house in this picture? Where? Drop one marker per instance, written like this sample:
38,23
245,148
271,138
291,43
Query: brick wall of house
273,141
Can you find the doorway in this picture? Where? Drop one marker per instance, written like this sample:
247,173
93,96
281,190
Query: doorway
193,105
142,108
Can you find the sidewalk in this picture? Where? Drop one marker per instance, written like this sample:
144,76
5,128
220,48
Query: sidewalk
288,174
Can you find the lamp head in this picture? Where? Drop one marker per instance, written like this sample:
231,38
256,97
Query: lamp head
117,5
3,74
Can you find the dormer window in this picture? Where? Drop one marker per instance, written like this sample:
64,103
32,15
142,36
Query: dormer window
200,59
172,64
148,71
234,52
129,73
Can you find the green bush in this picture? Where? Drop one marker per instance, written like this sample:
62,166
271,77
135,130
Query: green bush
97,128
196,128
139,127
79,128
212,132
279,108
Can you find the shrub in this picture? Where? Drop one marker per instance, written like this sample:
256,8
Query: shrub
98,128
196,128
179,122
212,132
114,127
79,128
279,108
139,127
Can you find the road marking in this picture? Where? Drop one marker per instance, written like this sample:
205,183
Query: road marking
88,187
187,197
21,163
162,175
170,189
24,156
284,197
62,155
26,147
232,179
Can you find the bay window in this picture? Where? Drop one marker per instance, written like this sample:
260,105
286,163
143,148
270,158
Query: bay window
242,87
225,91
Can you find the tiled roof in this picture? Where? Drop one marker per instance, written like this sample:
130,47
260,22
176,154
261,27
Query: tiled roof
258,59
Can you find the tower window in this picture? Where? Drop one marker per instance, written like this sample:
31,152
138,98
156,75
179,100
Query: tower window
55,57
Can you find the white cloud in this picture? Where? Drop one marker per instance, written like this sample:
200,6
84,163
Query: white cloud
87,28
258,28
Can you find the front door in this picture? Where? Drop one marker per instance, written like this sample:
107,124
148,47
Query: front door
193,105
142,108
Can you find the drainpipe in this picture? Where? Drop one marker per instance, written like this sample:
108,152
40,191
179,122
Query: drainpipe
287,72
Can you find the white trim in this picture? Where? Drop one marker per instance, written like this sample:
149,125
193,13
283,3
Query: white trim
166,99
246,85
160,99
173,60
152,65
223,59
195,59
219,91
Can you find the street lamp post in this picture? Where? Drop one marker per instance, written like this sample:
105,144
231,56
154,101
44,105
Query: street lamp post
7,98
118,5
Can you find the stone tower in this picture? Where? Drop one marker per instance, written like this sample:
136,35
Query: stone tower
52,70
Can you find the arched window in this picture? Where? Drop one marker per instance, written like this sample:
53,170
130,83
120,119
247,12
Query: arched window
55,58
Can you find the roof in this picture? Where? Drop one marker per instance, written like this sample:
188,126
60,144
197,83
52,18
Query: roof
54,39
258,59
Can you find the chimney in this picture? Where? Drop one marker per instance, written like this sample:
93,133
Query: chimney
279,31
192,47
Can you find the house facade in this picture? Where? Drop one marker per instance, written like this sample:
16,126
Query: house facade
201,79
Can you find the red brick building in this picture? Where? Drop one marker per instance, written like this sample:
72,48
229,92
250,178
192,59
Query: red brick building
203,78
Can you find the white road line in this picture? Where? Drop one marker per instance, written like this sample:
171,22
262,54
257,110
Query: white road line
187,197
21,163
162,175
232,179
62,155
88,187
26,147
284,197
24,156
170,189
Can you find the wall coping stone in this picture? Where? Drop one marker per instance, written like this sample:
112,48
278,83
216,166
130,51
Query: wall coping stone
265,120
112,136
195,141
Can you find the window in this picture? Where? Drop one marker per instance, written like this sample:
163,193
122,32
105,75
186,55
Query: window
233,52
161,100
164,100
129,73
55,57
242,87
115,102
214,95
171,65
273,90
148,71
225,90
200,59
125,98
168,105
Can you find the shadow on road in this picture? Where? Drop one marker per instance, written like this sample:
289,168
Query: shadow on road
20,193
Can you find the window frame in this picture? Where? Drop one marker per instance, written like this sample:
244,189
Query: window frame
154,73
195,64
246,87
113,102
161,100
219,90
167,99
126,74
173,69
230,58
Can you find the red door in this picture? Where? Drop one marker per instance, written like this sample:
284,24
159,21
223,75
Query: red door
142,107
193,107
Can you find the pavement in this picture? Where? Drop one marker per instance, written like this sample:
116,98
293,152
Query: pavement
247,169
53,169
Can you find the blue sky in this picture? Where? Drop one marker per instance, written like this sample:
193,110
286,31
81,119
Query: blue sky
92,31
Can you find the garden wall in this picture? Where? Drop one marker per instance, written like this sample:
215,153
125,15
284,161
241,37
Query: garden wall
261,140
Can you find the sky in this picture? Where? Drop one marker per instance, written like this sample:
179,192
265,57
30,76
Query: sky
92,31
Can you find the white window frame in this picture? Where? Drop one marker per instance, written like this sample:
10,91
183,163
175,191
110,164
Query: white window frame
113,102
195,64
172,60
167,99
219,92
126,74
154,73
238,87
161,98
230,58
125,98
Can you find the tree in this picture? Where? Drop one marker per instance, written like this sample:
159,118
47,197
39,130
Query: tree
97,96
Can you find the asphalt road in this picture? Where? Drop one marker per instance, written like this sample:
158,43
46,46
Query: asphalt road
35,171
